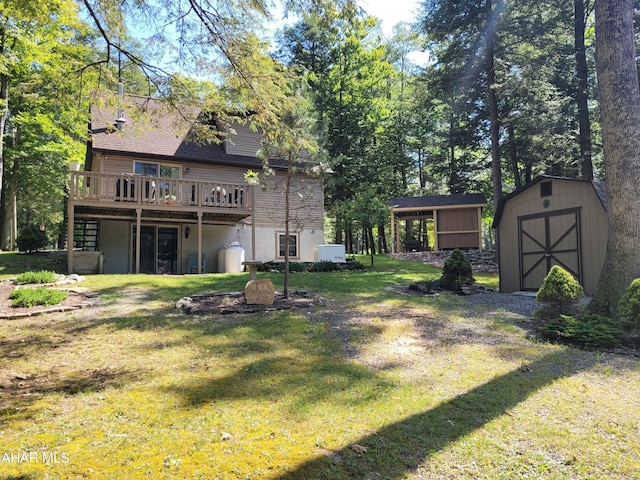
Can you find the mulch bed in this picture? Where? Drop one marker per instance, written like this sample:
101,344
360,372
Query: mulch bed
234,302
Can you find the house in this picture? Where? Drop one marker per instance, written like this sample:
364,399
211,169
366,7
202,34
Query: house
151,200
552,221
457,221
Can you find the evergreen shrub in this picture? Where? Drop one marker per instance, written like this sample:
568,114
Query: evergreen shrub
31,239
456,272
560,291
324,266
586,330
629,306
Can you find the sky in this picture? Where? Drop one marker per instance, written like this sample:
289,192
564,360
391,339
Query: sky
390,12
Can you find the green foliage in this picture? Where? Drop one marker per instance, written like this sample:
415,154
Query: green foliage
560,290
586,330
456,271
28,297
324,266
352,265
31,239
629,306
43,276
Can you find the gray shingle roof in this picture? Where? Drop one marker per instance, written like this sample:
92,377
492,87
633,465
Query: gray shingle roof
438,201
159,133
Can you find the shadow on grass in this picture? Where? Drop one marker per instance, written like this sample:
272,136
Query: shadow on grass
400,448
20,392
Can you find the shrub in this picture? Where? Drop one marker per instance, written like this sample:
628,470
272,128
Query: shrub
629,306
31,239
324,266
586,330
456,271
352,265
28,297
560,290
43,276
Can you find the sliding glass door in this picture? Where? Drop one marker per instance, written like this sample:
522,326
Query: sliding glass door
158,250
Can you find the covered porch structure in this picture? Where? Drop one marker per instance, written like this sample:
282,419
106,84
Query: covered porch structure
137,199
454,220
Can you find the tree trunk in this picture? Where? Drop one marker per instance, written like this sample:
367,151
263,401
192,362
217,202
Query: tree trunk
513,153
620,112
4,112
582,93
492,100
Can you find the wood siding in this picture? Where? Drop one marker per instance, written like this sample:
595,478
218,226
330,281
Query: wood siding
243,142
458,228
530,206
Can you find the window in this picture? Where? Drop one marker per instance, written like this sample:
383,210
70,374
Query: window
293,245
545,189
156,170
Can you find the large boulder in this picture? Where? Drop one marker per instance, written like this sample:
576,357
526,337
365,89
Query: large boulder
259,292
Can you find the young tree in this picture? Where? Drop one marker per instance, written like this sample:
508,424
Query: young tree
290,138
620,111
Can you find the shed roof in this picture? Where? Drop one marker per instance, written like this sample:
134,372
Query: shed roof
599,187
435,201
160,133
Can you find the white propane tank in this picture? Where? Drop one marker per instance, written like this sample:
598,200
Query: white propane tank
233,258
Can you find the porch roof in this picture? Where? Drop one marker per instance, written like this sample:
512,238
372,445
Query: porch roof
411,206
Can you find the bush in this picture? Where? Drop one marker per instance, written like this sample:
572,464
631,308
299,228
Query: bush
587,330
31,239
629,306
28,297
559,290
456,271
43,276
352,265
324,266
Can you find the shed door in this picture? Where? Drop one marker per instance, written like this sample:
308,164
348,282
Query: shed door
546,240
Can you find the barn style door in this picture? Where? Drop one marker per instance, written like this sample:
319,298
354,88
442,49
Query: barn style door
545,240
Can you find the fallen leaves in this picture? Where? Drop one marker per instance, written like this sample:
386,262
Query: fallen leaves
358,448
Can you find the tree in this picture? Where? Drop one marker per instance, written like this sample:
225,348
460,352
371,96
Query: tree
41,44
620,111
291,139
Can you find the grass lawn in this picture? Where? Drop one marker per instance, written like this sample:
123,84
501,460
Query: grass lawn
368,385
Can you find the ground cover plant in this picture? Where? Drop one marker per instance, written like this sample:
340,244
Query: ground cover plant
42,276
370,384
28,297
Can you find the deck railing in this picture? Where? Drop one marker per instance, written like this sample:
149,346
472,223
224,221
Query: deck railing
144,190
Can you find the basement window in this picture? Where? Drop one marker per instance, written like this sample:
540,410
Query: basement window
545,189
293,245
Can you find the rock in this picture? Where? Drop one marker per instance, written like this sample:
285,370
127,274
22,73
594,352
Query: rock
259,292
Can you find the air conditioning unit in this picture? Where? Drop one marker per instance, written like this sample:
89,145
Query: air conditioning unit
329,253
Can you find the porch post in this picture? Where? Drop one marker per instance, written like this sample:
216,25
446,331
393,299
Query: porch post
138,233
436,244
393,232
199,258
70,222
253,226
